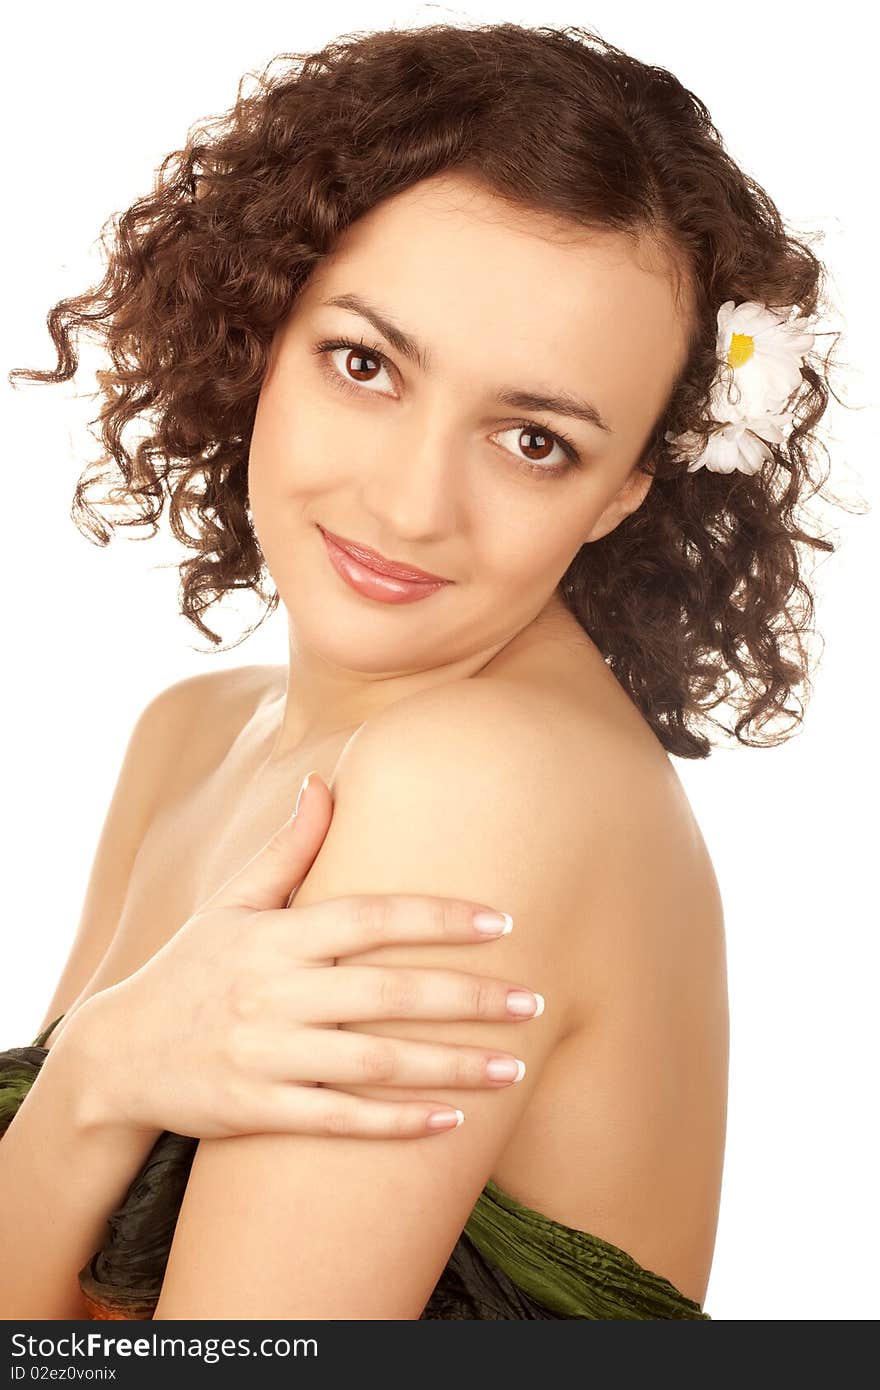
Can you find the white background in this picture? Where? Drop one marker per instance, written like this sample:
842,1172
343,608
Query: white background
94,95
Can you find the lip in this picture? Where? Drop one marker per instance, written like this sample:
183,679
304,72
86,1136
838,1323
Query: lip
373,583
374,561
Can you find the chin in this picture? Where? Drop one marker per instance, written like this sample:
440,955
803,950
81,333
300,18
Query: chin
355,634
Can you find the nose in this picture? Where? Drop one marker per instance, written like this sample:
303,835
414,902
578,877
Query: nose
412,485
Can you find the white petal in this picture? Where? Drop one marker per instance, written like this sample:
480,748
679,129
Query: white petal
722,454
684,446
756,395
698,462
753,453
770,427
784,339
723,320
753,318
726,400
800,343
780,375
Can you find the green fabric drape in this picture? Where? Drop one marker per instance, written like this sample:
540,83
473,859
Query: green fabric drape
573,1273
510,1261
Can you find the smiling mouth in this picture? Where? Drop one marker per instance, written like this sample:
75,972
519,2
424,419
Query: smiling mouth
372,560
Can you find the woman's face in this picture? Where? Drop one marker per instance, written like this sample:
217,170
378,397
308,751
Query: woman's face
416,456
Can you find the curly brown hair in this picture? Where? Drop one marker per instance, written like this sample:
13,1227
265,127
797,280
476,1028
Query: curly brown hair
697,598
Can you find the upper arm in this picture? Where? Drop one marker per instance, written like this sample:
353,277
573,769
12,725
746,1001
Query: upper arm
458,793
138,787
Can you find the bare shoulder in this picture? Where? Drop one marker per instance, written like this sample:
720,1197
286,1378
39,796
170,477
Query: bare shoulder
198,715
499,741
603,793
174,739
464,792
208,692
511,725
561,756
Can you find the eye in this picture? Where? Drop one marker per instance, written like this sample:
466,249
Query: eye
570,456
358,353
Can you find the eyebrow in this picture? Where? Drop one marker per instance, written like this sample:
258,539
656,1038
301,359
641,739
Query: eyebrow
560,403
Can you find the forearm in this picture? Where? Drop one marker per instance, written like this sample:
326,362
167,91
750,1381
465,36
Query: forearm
61,1175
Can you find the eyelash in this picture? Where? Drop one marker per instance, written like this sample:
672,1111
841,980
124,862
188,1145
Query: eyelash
573,458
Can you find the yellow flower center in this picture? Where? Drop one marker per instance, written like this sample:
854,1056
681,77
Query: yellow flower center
742,345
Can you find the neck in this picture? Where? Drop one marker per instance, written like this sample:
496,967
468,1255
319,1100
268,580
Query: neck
322,699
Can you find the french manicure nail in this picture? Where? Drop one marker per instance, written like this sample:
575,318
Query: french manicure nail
505,1069
302,791
445,1119
524,1004
493,923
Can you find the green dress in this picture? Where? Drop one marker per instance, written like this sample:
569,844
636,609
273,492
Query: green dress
509,1262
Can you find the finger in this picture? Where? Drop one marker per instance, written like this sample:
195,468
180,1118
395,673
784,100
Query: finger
355,993
314,1110
343,926
361,1059
266,880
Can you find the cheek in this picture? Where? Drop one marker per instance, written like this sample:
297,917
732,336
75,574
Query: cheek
529,545
291,452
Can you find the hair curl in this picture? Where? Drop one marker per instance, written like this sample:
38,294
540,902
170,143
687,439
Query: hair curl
695,599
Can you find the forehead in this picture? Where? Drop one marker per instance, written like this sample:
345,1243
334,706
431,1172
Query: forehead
485,284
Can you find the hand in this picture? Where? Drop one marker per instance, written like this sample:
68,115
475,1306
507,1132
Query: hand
231,1027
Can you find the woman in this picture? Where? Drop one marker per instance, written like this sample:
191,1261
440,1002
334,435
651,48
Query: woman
351,312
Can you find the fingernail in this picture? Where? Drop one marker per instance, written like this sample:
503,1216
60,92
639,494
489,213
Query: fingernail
505,1069
493,923
302,791
524,1004
445,1119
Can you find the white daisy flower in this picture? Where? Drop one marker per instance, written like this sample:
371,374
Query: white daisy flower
738,444
763,350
